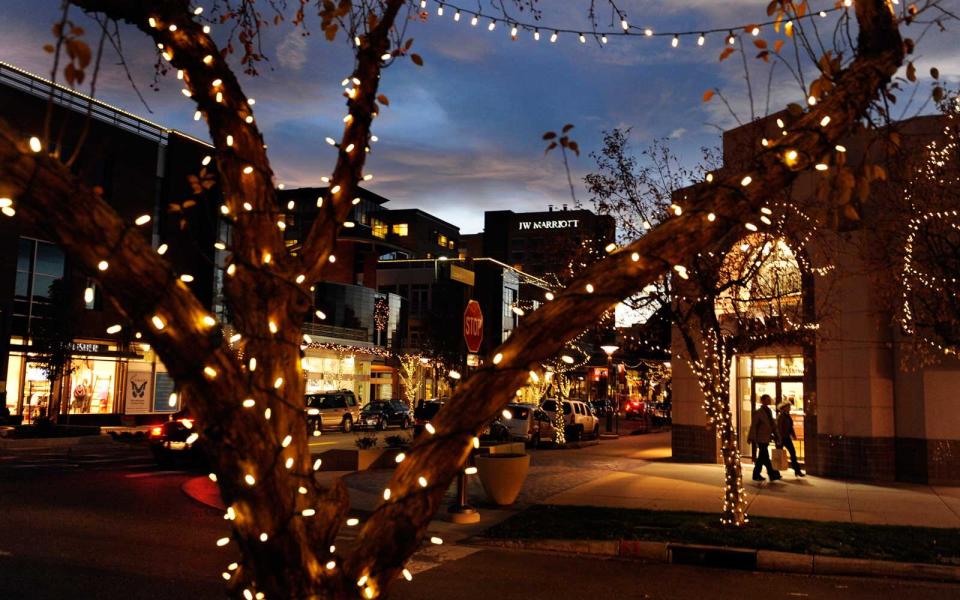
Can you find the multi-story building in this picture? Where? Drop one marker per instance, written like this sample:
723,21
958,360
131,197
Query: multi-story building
139,167
438,290
545,243
860,410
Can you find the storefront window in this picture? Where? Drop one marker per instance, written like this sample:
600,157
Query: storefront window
791,366
765,366
325,373
14,365
92,385
36,393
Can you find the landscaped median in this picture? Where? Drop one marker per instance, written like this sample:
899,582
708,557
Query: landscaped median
766,544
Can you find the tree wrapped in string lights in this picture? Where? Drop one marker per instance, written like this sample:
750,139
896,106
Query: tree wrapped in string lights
251,411
411,376
929,302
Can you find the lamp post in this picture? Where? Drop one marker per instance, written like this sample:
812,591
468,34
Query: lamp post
424,361
611,384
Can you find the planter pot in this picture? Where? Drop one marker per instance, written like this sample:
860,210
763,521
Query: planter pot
366,457
502,476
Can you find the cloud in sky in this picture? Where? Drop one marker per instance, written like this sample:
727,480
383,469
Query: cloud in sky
292,51
462,134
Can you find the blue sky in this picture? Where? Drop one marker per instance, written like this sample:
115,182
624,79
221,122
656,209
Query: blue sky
462,134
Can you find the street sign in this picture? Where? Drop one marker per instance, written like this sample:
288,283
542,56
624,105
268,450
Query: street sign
473,326
462,275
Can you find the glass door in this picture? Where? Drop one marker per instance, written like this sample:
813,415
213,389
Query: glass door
792,391
780,390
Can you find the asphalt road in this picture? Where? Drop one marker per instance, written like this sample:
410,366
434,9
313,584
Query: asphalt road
120,533
106,534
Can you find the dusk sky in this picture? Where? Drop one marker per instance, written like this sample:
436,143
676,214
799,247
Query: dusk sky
462,134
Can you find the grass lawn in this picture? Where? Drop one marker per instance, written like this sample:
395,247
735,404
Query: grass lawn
882,542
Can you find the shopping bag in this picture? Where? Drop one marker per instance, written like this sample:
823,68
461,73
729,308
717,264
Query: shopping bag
780,460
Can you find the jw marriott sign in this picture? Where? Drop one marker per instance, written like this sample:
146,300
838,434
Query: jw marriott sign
558,224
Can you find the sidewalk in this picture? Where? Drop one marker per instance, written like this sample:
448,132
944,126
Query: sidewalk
662,485
636,472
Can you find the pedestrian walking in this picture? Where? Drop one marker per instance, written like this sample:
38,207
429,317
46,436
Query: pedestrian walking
763,428
787,435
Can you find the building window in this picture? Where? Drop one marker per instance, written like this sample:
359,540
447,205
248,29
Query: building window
452,245
441,240
401,229
379,228
39,264
419,299
92,300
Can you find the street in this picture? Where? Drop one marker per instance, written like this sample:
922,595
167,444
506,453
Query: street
115,530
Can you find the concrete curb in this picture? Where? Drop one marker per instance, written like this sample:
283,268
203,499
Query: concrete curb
14,444
737,558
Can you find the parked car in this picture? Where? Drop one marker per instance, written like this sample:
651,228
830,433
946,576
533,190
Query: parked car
579,420
380,414
601,407
635,410
423,413
332,409
173,442
495,431
528,424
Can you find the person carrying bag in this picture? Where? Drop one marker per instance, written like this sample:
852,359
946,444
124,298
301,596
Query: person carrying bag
763,429
787,435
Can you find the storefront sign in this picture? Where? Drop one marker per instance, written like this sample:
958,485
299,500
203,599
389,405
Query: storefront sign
87,348
139,391
556,224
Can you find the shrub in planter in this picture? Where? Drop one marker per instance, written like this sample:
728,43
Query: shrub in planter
398,441
502,475
366,441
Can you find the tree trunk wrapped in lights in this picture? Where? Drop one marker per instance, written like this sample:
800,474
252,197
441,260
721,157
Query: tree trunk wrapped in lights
411,377
282,521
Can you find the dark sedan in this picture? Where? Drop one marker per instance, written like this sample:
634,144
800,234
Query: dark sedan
380,414
176,441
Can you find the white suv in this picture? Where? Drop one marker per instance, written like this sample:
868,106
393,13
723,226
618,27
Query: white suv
578,418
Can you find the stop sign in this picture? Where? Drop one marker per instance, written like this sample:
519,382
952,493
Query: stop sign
473,326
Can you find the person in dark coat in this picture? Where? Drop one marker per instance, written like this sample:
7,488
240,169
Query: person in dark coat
787,435
763,428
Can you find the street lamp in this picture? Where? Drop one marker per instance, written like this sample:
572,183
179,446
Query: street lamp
424,361
609,350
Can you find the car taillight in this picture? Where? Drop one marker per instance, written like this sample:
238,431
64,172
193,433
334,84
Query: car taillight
156,432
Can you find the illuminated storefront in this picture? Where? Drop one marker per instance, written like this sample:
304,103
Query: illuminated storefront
334,367
778,375
101,379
